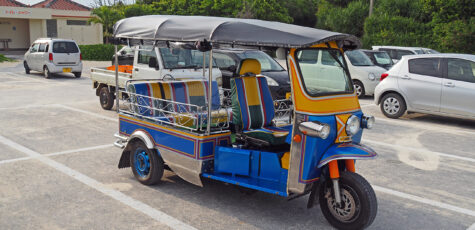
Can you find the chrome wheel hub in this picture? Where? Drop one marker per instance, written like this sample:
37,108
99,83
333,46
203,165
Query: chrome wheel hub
391,105
358,89
348,208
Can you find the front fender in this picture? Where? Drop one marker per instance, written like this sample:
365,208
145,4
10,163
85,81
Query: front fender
346,151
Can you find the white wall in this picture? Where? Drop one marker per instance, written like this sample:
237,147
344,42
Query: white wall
83,35
17,30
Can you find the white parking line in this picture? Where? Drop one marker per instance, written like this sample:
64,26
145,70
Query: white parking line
87,112
424,200
419,150
117,195
58,153
427,126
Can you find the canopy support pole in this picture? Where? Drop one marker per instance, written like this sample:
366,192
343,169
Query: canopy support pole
210,91
204,65
116,60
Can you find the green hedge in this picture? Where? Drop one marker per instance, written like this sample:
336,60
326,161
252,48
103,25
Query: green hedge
3,58
99,52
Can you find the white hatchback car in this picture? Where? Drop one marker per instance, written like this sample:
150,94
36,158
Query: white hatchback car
52,56
364,73
441,84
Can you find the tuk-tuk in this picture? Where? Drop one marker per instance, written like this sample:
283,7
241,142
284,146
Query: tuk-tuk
307,145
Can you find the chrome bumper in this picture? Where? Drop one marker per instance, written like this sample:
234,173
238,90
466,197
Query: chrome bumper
121,140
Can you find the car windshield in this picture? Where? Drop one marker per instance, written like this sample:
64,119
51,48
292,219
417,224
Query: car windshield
419,51
65,47
267,63
323,72
382,58
178,58
358,58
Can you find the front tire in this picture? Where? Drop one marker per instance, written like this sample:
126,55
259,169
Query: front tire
359,88
393,105
106,98
146,164
359,204
27,68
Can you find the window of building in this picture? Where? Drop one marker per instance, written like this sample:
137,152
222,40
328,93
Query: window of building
425,66
52,28
77,23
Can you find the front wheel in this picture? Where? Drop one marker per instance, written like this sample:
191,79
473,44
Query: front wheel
358,202
27,68
359,88
393,105
146,164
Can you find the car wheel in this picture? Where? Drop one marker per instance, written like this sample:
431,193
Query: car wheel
46,72
77,74
146,164
106,98
27,68
393,105
359,88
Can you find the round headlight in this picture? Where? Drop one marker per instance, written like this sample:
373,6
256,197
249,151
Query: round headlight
271,82
352,125
367,121
371,76
325,131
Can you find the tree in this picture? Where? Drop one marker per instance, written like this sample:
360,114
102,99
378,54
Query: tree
107,16
348,19
301,11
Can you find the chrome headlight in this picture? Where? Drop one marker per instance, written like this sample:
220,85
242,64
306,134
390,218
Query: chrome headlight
367,121
315,129
271,82
219,80
352,125
371,77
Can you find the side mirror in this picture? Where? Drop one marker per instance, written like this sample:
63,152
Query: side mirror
153,63
232,68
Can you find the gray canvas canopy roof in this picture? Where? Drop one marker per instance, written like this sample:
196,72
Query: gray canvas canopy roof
232,31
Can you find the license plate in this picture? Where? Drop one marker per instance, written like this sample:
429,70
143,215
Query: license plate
288,95
66,70
344,139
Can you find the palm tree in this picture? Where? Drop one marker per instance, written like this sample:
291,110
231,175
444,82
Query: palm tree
107,16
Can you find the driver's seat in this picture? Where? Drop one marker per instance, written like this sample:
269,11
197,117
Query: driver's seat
253,107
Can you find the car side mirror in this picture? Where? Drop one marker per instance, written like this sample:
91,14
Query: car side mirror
232,68
153,63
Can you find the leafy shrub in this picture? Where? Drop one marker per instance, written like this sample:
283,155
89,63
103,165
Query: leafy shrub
3,58
99,52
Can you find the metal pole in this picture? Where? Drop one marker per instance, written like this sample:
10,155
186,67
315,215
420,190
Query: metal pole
371,3
116,79
204,64
210,91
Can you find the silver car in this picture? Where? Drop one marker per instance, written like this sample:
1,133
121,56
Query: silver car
52,56
441,84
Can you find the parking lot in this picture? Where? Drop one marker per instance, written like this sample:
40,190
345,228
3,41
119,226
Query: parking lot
58,170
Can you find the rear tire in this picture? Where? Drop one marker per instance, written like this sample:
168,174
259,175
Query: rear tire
358,200
359,88
146,164
393,105
77,74
46,72
27,68
106,98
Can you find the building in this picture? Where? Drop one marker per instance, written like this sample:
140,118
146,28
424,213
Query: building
21,24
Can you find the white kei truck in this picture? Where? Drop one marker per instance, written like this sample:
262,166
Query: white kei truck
152,62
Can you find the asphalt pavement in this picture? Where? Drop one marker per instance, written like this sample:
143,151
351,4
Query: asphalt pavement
58,170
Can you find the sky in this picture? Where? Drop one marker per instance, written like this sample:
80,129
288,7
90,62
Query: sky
84,2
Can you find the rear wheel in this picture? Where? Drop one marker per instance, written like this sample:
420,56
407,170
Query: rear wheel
146,164
358,202
359,88
77,74
393,105
106,98
46,72
27,68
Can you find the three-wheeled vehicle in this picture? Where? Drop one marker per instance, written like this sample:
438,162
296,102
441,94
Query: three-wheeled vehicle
243,137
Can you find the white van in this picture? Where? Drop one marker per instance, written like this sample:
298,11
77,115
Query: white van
52,56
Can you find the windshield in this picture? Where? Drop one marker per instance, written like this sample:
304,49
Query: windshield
382,58
177,58
419,51
323,72
358,58
65,47
431,51
267,63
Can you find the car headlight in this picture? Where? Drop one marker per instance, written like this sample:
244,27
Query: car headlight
352,125
371,77
315,129
367,121
219,80
271,82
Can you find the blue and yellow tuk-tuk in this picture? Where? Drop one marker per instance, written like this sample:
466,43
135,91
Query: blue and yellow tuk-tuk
307,145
